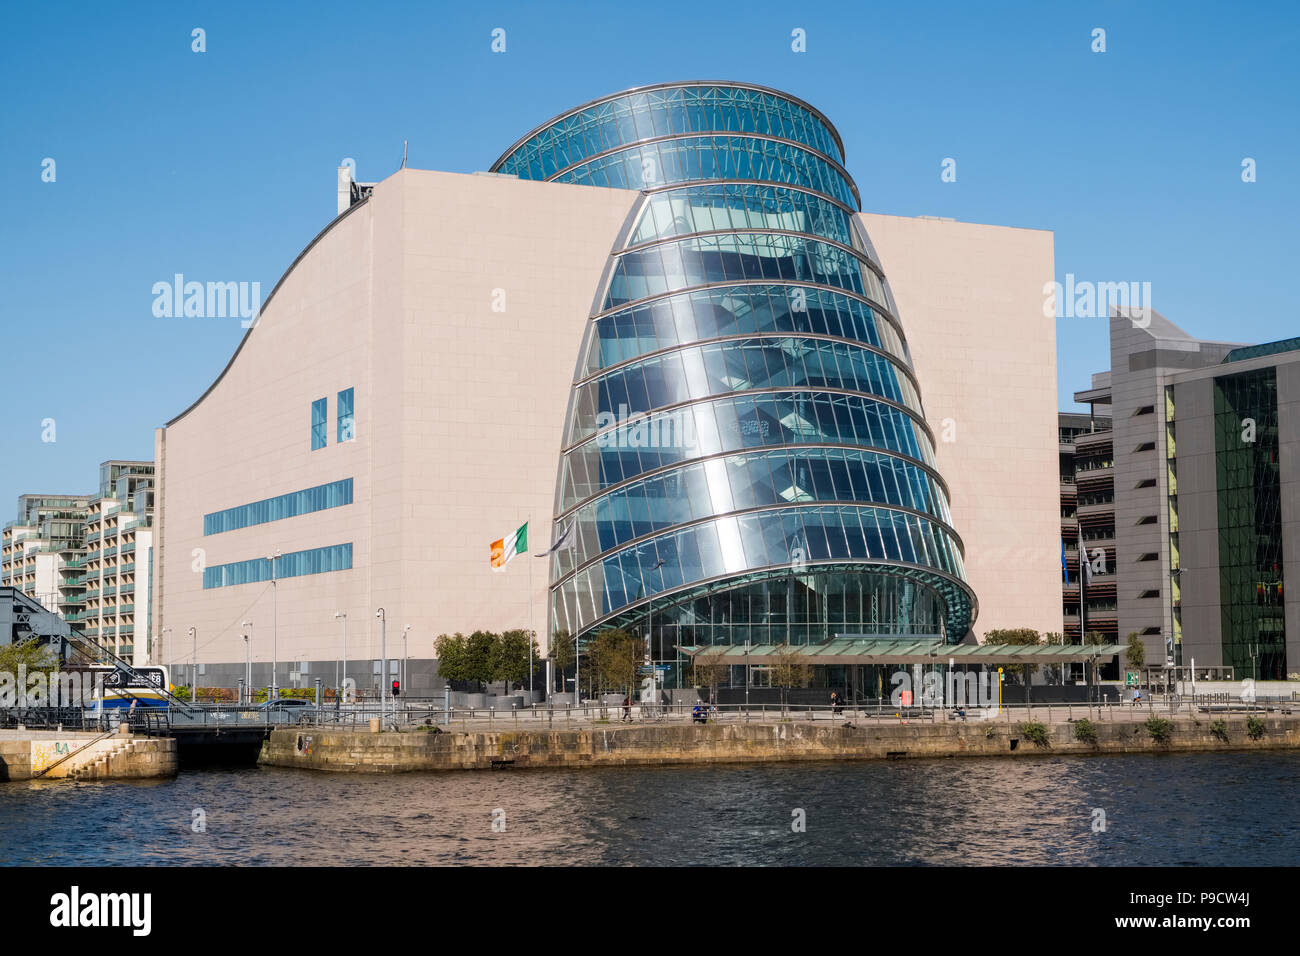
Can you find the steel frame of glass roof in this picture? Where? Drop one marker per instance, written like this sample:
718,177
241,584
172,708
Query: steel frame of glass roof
853,650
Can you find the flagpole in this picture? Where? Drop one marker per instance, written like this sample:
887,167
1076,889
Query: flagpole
564,540
532,629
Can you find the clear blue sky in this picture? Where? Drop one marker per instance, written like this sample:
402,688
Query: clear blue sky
222,165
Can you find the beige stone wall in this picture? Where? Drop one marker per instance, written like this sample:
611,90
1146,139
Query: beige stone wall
459,414
342,751
970,298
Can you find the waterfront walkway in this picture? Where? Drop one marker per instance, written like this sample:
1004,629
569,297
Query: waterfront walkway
592,714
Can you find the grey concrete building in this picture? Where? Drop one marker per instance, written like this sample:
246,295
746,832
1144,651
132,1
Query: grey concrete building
1088,523
1205,504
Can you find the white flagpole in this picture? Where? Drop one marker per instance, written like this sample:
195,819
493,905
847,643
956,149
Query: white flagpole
532,625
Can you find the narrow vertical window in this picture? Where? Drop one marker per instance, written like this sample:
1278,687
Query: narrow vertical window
347,429
319,422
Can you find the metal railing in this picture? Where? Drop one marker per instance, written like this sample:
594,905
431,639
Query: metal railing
434,714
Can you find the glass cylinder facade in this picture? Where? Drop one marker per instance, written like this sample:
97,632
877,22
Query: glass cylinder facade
745,453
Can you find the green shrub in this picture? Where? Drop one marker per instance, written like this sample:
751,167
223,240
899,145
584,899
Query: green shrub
1219,730
1085,731
1036,731
1160,729
1255,727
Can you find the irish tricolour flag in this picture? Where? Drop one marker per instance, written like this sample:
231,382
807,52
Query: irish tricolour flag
503,551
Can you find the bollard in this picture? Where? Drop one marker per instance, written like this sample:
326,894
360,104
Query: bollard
124,728
374,725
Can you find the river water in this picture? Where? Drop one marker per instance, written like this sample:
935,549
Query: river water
1175,809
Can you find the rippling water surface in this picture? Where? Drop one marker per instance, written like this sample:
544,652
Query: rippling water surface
1202,809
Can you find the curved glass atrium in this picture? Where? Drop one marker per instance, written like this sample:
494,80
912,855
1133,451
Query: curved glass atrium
745,453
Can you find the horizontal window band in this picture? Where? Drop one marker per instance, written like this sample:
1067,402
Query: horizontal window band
335,494
336,557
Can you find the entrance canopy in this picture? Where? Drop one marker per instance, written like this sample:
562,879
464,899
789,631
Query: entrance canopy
906,651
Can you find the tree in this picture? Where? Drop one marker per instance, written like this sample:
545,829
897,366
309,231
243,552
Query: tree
562,654
616,657
32,658
1019,636
481,656
472,659
1055,673
710,668
788,670
1135,655
452,653
1094,639
512,655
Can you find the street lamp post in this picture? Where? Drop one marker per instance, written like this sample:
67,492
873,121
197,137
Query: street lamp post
273,692
338,685
194,684
248,661
405,661
746,678
650,635
383,665
162,649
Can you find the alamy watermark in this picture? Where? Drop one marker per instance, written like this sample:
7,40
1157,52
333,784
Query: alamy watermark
953,689
675,429
210,300
41,689
1084,299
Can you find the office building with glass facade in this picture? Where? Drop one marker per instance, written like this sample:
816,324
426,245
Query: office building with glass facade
659,331
745,440
1206,505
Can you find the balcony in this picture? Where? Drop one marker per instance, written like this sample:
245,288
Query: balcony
1092,469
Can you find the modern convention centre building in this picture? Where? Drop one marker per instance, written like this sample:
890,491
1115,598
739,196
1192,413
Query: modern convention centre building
661,333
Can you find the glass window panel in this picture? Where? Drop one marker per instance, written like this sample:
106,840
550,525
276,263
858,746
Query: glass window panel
347,417
711,563
751,536
319,423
